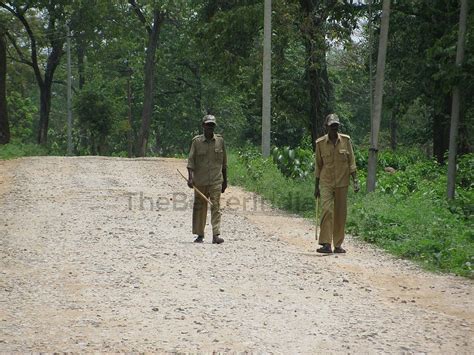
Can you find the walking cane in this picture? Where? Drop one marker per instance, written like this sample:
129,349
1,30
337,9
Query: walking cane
196,189
317,219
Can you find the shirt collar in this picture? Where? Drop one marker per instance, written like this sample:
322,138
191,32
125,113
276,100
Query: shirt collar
212,139
337,140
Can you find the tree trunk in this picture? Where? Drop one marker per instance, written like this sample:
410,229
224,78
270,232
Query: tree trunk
102,145
93,145
53,13
45,91
4,124
314,37
393,128
80,52
440,129
267,78
129,116
45,106
378,95
147,111
453,135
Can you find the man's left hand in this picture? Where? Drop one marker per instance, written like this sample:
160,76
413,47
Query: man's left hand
356,186
224,186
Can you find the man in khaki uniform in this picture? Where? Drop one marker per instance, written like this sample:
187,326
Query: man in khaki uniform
207,171
335,161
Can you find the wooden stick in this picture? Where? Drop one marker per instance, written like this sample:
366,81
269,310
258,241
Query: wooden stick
195,188
317,219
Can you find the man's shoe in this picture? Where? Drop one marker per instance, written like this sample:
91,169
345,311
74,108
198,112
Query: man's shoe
199,239
326,249
339,250
217,240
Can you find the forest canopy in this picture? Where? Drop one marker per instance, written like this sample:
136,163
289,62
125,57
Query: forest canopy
151,69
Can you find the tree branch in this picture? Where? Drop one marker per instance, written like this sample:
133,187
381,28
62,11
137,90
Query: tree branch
18,51
62,82
140,15
34,55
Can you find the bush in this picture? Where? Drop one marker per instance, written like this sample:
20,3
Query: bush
414,228
294,163
250,170
16,149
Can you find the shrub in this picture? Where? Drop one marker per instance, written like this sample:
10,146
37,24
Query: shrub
15,149
294,163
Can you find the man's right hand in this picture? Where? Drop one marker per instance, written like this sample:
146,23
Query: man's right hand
317,193
190,183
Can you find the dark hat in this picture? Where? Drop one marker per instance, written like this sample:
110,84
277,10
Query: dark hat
209,119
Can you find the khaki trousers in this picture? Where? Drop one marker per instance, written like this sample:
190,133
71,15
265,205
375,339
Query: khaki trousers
334,213
213,192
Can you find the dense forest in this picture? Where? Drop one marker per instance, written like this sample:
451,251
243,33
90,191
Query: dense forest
144,72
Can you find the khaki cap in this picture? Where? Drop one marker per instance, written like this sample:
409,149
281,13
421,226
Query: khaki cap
331,119
209,119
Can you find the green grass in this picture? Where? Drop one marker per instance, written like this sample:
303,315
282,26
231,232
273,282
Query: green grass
415,228
16,150
263,177
410,220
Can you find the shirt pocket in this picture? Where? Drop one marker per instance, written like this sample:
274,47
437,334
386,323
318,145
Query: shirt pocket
201,150
327,157
219,154
342,155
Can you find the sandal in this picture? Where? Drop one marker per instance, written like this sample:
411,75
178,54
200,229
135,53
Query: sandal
339,250
326,249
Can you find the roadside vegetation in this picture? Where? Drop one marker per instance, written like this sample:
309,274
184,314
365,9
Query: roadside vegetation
16,149
408,215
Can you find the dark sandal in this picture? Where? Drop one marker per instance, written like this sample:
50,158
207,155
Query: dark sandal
339,250
326,249
217,240
199,239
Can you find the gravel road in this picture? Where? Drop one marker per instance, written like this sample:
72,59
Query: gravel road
96,254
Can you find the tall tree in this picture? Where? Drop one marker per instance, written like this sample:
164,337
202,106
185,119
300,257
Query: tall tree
378,95
313,29
321,20
421,81
153,33
267,79
453,143
85,18
4,124
53,12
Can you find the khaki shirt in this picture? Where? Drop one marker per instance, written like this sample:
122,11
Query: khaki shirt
207,158
334,163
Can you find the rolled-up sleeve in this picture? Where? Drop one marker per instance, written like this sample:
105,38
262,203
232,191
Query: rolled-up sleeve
224,159
318,162
191,157
352,162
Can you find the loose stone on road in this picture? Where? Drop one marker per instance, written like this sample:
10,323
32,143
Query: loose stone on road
96,254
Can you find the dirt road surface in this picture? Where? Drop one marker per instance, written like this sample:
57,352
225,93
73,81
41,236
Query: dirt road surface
88,264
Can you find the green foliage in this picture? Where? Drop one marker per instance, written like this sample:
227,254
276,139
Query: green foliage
95,113
21,113
399,160
248,169
415,227
350,79
294,163
16,149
